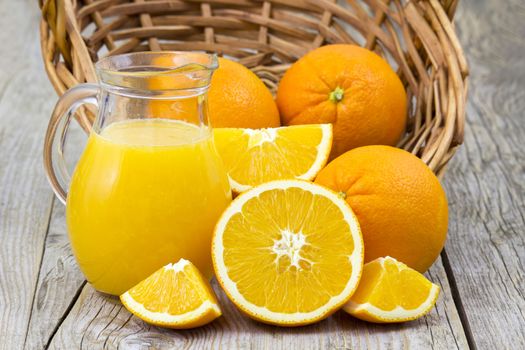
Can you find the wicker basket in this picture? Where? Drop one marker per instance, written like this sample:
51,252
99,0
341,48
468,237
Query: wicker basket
415,36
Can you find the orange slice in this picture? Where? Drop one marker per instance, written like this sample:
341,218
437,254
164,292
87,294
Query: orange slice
288,252
255,156
175,296
390,291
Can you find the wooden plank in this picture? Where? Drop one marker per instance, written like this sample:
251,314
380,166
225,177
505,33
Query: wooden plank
59,283
99,321
60,280
486,182
26,98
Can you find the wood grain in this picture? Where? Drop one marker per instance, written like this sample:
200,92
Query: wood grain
59,282
485,251
25,199
486,182
98,321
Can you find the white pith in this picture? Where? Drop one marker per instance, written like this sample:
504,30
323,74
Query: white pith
260,136
270,134
290,245
178,266
356,258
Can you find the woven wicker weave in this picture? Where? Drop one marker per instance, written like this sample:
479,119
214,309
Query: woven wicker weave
415,36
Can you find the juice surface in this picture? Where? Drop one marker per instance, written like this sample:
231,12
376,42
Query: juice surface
144,193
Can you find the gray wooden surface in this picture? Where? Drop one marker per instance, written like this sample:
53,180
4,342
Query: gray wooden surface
45,302
486,183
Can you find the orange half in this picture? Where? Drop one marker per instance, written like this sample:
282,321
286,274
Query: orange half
255,156
288,252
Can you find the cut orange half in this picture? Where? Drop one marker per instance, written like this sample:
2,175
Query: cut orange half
288,252
390,291
176,296
255,156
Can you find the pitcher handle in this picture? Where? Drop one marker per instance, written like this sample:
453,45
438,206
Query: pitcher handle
66,106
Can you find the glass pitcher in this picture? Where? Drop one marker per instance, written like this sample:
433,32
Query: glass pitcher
149,186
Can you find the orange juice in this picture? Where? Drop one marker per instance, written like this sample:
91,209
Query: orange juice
144,193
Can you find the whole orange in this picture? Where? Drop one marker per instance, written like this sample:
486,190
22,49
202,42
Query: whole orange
399,203
352,88
238,98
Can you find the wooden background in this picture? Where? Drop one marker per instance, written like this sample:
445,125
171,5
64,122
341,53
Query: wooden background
45,302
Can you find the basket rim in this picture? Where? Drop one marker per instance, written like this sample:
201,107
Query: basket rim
443,121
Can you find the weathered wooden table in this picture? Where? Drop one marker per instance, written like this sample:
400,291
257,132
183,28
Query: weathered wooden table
45,302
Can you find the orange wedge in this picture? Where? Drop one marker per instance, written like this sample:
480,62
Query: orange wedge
255,156
390,291
175,296
288,252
